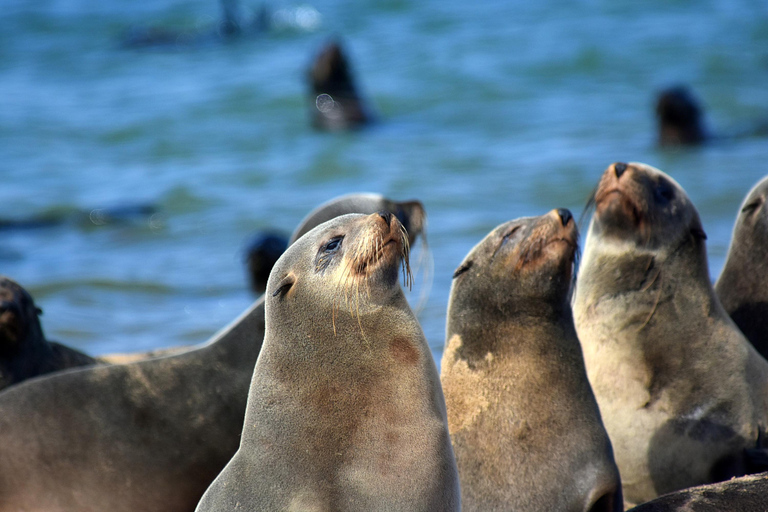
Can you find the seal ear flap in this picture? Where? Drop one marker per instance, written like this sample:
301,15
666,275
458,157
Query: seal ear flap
698,233
463,268
284,285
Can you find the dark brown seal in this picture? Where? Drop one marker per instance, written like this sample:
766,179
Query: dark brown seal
682,393
24,350
743,284
336,103
680,117
525,426
149,435
345,410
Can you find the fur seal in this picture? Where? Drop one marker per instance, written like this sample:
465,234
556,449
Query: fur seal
681,391
336,103
743,284
24,350
525,426
345,410
745,494
680,118
149,435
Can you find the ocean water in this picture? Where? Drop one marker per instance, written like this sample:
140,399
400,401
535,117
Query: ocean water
487,111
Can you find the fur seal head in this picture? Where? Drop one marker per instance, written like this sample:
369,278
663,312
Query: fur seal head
639,205
518,253
680,117
18,317
361,255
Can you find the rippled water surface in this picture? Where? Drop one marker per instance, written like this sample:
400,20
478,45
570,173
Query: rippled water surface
488,112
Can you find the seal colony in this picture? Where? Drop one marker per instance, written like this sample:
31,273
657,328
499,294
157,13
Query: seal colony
682,393
345,410
525,426
24,350
743,284
149,435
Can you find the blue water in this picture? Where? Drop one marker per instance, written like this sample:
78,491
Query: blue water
489,111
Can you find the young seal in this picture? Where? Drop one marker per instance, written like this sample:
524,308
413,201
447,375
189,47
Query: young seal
524,423
335,101
681,391
745,494
149,436
743,284
345,410
24,350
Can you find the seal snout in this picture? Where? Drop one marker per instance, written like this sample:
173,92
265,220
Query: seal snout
565,215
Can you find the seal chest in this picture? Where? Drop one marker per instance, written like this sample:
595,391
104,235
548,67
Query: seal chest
681,392
525,426
345,409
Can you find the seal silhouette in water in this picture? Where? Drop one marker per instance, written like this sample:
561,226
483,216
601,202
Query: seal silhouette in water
345,410
525,426
743,284
680,117
336,103
682,393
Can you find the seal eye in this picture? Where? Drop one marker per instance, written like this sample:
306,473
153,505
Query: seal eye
664,191
462,269
327,252
333,244
754,205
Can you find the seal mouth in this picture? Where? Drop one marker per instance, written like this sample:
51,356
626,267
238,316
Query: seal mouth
615,202
386,242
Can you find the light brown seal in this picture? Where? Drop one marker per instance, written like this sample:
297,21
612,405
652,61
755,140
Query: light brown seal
149,435
345,410
744,494
743,284
24,350
681,391
525,426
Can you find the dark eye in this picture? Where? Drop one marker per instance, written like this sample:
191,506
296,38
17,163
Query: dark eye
327,252
462,269
664,191
333,244
749,208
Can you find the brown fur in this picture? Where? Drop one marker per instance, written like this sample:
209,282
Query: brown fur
681,392
24,350
743,284
345,410
524,424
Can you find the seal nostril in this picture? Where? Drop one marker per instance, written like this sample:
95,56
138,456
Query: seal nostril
619,168
387,216
565,215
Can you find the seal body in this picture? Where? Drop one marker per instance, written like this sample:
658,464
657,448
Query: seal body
681,391
743,284
150,435
336,102
345,410
745,494
24,350
525,426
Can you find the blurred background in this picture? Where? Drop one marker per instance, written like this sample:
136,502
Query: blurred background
140,149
